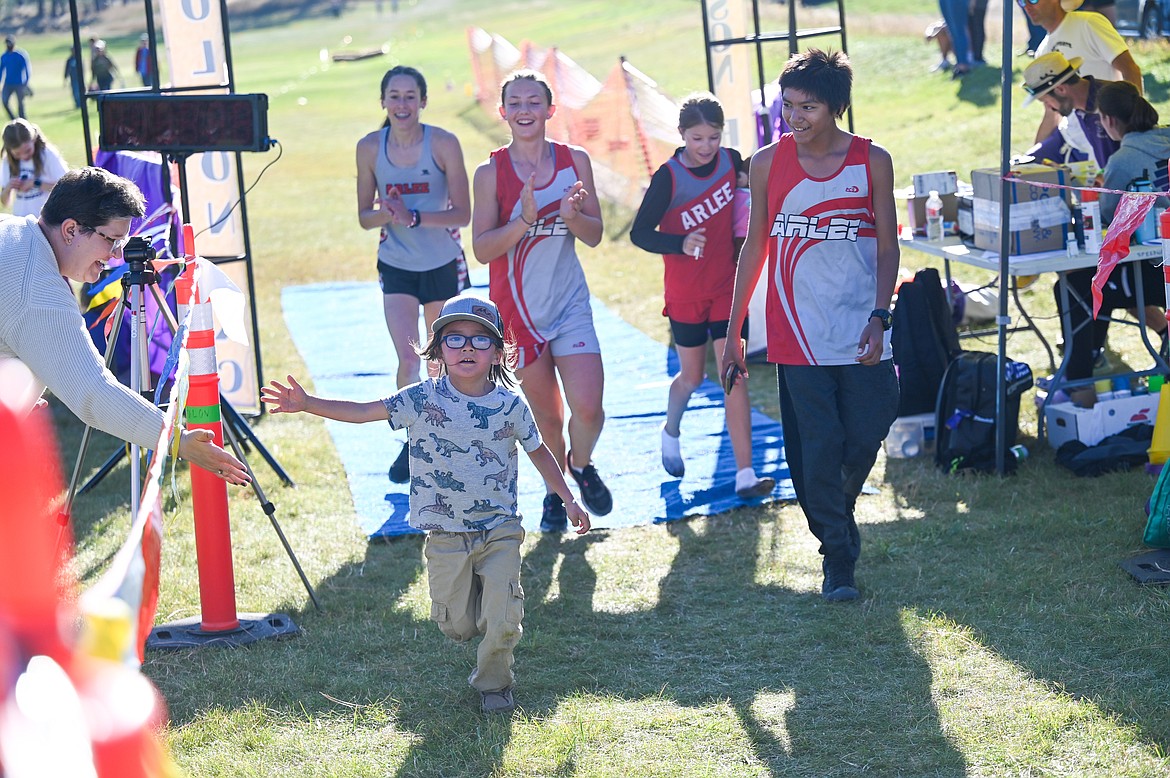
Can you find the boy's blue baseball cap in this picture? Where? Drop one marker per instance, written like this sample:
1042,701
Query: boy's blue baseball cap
467,307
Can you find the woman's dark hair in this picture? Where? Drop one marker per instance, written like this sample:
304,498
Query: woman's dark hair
403,70
825,75
17,133
700,108
1121,101
500,374
92,196
526,75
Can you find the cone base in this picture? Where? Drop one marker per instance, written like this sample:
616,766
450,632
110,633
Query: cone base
189,633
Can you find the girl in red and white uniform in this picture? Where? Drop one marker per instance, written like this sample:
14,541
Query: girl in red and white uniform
687,215
533,200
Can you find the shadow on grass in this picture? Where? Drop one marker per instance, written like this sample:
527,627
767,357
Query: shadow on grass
1030,564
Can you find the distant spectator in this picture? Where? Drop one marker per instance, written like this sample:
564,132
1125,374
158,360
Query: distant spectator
29,168
103,69
142,61
15,71
976,29
75,79
955,14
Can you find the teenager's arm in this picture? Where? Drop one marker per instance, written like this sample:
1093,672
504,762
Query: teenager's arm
881,167
548,468
449,155
645,232
580,208
294,399
751,256
371,214
490,239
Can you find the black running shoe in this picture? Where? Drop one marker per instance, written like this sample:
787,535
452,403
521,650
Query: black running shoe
594,493
400,470
839,585
554,518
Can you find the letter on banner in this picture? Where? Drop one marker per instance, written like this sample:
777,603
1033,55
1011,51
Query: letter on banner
236,362
195,48
212,190
197,57
733,72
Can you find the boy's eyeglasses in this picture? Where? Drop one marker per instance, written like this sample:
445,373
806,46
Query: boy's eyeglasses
1022,3
478,342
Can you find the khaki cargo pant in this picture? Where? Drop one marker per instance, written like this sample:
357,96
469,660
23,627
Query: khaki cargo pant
475,590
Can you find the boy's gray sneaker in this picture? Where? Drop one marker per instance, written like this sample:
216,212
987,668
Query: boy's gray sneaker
498,702
838,585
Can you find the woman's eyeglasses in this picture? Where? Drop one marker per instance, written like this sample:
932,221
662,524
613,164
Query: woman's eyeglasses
478,342
1022,3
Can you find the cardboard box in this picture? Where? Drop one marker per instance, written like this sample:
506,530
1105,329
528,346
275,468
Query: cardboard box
943,181
1039,217
916,211
1065,421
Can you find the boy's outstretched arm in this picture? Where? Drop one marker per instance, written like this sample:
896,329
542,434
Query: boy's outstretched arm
546,465
294,399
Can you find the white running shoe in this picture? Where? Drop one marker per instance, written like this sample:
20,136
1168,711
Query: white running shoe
749,487
672,459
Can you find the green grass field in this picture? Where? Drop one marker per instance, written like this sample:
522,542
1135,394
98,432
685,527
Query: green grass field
995,636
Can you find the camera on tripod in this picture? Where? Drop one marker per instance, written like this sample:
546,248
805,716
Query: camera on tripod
138,251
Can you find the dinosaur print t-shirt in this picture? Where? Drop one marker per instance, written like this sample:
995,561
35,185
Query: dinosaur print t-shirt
463,458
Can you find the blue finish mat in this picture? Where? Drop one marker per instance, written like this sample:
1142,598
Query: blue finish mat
340,331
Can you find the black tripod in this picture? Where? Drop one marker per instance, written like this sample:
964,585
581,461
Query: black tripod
139,277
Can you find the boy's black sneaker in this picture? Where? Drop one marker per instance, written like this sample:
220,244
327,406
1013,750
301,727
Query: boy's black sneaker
400,470
554,518
838,585
594,493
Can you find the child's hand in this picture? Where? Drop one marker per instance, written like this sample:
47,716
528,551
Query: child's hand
578,517
285,399
695,242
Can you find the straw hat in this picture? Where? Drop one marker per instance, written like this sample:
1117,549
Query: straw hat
1047,72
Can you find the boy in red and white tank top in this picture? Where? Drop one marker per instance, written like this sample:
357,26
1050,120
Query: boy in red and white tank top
823,215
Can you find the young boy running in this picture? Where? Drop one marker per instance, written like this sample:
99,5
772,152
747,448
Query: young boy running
823,213
462,429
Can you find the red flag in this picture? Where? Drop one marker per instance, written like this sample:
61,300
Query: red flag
1130,214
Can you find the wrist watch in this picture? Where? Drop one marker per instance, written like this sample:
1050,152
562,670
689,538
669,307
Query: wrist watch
884,315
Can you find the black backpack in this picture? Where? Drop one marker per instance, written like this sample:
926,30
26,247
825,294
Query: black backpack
924,341
965,413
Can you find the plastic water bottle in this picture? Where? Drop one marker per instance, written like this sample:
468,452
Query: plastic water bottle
934,216
1148,230
1091,220
1070,244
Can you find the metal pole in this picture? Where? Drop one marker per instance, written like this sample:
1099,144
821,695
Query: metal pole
1002,321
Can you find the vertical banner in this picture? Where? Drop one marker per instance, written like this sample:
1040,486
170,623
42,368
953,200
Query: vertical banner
733,68
196,48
